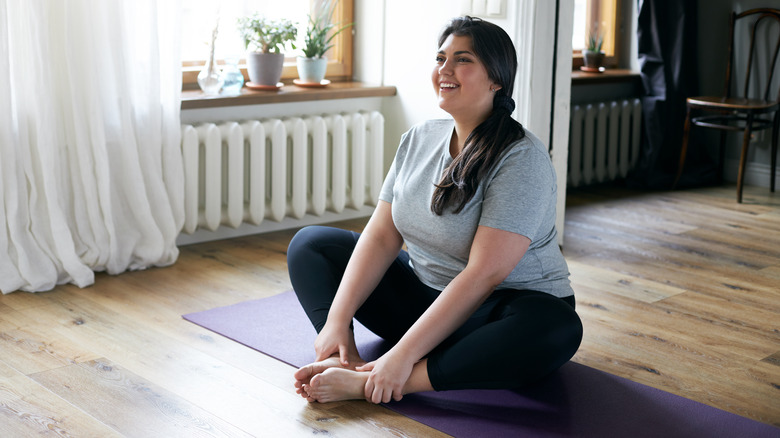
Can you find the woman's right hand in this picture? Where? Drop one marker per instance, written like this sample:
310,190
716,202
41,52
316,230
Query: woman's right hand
337,339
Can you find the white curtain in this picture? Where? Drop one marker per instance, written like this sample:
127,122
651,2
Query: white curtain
90,171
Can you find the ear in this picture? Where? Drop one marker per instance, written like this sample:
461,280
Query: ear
495,87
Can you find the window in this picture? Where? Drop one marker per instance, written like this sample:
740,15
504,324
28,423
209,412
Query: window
199,17
598,17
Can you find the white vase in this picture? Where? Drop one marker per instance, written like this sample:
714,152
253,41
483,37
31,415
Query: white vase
210,78
312,70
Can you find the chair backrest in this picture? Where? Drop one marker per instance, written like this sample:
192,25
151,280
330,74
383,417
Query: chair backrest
763,24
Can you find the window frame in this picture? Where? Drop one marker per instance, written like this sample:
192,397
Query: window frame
606,10
340,56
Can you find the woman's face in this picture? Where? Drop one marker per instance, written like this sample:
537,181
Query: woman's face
461,80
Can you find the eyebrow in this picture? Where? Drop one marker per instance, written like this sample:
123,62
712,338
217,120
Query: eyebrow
459,52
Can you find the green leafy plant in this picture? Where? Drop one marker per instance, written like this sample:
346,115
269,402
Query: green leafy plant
319,32
266,36
595,40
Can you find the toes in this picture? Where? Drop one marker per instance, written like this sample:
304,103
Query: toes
314,383
308,393
303,373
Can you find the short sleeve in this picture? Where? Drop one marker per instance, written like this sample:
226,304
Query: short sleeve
520,197
386,194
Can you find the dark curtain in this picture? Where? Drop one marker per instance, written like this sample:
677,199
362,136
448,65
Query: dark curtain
666,40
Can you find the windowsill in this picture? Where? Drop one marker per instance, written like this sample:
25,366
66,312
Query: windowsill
192,99
609,76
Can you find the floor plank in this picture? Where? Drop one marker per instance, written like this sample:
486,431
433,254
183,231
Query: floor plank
130,404
29,409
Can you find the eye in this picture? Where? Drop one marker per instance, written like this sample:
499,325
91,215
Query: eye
439,59
462,59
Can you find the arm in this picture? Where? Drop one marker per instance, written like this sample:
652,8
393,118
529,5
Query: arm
493,255
378,246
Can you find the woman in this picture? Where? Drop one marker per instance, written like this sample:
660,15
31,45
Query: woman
482,298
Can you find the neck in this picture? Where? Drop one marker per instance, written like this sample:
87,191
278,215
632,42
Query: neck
462,131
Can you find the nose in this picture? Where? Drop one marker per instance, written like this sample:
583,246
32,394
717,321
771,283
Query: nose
445,68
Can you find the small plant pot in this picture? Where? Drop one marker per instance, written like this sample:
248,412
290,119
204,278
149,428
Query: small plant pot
264,68
312,70
593,60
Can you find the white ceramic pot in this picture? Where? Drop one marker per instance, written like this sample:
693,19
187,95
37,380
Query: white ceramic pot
264,68
312,70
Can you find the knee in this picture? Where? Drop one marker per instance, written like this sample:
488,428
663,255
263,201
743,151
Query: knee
301,248
565,329
302,239
307,239
555,325
568,334
316,241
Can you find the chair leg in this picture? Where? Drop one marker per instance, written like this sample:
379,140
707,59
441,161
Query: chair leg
684,148
775,135
722,156
743,157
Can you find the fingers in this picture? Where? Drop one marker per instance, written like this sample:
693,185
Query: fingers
373,392
366,367
368,391
344,355
379,394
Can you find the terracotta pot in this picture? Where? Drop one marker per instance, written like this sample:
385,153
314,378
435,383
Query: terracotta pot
264,68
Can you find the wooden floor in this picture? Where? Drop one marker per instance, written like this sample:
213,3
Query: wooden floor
677,290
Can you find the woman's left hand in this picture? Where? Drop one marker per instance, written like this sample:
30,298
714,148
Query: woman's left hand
387,378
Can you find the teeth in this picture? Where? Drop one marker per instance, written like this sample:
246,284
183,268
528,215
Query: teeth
448,85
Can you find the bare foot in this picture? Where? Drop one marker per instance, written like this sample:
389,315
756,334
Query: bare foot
305,373
336,384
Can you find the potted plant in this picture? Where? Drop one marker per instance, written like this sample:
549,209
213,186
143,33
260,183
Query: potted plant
593,56
319,34
266,39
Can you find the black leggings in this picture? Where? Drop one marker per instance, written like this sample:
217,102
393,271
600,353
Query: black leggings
514,338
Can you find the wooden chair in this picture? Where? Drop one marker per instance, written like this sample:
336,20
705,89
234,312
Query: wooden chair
741,112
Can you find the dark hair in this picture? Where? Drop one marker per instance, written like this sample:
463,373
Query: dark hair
488,140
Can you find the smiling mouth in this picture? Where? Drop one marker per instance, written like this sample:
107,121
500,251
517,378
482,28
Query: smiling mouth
448,86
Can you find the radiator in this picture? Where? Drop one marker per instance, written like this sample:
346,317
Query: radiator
604,141
240,172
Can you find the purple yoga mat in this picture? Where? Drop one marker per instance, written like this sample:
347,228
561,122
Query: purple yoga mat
575,401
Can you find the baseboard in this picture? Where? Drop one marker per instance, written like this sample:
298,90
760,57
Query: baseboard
756,174
267,226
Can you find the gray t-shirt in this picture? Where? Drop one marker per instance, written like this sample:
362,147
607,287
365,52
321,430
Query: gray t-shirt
517,195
